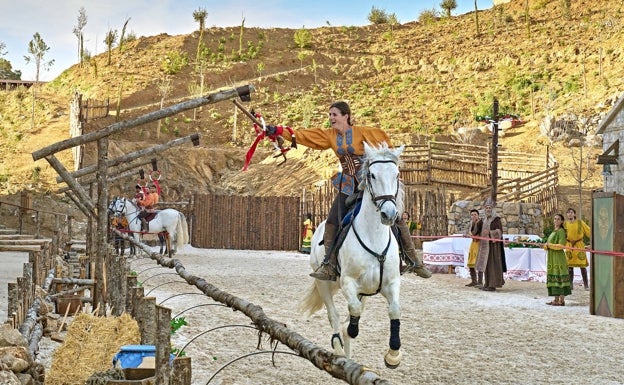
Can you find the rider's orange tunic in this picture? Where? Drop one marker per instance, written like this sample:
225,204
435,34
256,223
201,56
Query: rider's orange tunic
150,200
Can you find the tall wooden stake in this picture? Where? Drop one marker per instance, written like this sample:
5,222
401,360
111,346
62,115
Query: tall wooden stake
494,150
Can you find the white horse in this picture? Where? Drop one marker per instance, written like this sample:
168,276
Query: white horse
168,221
368,258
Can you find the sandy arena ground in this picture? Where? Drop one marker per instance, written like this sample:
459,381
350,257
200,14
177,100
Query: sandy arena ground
451,334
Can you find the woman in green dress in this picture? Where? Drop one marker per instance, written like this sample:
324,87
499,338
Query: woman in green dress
557,277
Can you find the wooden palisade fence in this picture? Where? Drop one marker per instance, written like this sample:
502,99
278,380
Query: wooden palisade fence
245,222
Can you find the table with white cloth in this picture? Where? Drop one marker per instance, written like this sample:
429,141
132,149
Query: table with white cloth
523,263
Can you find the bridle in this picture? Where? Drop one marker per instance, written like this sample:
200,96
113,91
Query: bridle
379,201
121,212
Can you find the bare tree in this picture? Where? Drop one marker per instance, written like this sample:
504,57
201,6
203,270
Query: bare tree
583,169
123,35
82,22
476,17
200,15
37,48
527,18
110,39
164,88
448,6
240,38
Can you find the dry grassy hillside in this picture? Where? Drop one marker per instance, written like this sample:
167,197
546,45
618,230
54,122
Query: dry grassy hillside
417,80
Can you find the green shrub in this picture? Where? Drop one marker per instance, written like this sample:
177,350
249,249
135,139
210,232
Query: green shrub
303,37
174,62
428,16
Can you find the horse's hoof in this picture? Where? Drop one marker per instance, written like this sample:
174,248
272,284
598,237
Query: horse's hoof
392,359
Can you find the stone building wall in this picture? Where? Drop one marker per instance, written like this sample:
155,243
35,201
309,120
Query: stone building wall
614,178
517,218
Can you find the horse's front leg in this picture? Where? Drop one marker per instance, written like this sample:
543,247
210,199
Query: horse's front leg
324,289
393,356
355,304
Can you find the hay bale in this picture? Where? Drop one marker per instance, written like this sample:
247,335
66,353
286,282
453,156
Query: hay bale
89,347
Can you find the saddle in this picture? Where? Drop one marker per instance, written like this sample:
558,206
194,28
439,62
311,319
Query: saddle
353,203
147,218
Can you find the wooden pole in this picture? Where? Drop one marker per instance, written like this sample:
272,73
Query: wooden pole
494,150
99,297
150,117
125,167
134,155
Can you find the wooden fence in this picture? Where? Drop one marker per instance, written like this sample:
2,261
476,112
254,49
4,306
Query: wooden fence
39,223
245,222
535,187
466,165
93,109
426,205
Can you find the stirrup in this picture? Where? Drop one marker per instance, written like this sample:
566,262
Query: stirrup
324,273
421,271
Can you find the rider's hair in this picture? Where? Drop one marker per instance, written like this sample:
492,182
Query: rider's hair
344,109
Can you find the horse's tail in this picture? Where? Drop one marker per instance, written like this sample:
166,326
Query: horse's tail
182,236
312,302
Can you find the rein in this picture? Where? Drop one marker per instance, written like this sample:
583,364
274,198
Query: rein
380,257
378,201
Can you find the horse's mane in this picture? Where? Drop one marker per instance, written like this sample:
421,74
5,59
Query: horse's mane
381,152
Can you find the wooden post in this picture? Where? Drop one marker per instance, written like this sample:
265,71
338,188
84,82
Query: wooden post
13,298
131,283
146,317
138,293
163,345
100,295
182,371
494,150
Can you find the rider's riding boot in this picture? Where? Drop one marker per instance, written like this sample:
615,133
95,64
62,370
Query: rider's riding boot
327,270
143,224
473,277
409,251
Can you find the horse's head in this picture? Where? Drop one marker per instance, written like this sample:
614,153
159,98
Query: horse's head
380,177
116,207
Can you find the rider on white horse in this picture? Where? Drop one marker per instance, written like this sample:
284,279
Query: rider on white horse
147,204
347,142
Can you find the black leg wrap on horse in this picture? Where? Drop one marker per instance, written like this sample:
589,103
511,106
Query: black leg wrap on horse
395,338
354,328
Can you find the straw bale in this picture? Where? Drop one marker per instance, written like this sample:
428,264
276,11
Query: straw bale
89,347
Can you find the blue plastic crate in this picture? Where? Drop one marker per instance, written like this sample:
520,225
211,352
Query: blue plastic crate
131,356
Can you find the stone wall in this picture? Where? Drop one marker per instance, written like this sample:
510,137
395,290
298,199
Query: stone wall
517,218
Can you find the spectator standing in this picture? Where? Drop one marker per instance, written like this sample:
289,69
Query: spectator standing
476,279
491,256
306,235
411,225
576,230
557,277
